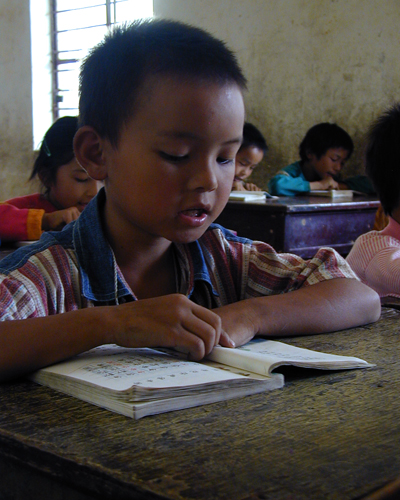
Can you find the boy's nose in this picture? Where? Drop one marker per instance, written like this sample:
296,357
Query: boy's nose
204,177
241,171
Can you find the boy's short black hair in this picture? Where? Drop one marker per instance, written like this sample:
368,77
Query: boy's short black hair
253,137
322,137
115,70
382,158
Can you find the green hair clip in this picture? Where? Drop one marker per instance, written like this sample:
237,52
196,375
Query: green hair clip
46,148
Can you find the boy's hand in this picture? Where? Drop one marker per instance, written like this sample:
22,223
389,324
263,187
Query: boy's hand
237,322
328,183
55,221
169,321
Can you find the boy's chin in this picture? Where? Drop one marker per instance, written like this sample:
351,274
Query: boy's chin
190,236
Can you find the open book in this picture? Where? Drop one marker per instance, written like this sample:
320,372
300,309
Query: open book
252,196
336,194
143,381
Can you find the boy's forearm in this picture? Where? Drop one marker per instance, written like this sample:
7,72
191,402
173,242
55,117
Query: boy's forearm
38,342
324,307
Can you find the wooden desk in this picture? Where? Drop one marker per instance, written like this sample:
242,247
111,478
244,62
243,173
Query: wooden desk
328,436
302,224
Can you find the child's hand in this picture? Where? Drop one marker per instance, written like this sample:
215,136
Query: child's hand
238,186
237,322
169,321
328,183
55,221
251,187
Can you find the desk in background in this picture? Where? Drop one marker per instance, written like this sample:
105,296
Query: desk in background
328,435
302,224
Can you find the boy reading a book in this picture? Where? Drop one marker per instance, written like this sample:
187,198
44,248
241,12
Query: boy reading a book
323,152
250,154
162,115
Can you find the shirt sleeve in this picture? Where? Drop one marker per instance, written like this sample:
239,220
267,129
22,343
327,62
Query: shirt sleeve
272,273
283,184
383,272
17,224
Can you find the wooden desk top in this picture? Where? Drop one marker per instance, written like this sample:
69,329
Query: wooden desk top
308,203
330,435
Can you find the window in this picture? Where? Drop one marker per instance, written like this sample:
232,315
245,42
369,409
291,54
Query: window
63,32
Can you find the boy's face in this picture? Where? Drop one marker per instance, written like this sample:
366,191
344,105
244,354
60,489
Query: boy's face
172,171
246,161
329,164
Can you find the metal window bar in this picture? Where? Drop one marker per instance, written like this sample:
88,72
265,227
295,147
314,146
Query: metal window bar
58,58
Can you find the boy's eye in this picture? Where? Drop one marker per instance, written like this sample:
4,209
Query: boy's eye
224,161
174,158
81,180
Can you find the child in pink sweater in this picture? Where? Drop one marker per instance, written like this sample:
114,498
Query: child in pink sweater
375,256
67,188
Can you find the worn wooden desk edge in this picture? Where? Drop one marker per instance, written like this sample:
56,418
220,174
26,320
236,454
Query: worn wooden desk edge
87,476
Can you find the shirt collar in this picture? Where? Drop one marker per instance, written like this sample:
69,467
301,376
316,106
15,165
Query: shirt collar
100,281
99,273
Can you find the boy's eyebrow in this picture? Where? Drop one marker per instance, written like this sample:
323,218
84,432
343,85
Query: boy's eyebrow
189,135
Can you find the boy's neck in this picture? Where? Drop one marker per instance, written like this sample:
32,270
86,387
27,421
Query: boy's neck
147,264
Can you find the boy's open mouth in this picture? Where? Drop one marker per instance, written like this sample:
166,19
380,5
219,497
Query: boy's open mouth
195,212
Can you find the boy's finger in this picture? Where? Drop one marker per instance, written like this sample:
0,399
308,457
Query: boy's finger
225,340
203,336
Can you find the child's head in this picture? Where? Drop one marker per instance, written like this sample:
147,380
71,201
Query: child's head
162,117
382,158
325,148
115,76
250,153
66,183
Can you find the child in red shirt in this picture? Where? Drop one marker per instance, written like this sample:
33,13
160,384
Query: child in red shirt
67,188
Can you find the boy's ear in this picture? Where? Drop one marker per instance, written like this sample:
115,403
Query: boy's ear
309,154
89,152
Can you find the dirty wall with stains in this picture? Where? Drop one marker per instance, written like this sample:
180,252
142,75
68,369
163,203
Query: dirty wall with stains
306,61
15,99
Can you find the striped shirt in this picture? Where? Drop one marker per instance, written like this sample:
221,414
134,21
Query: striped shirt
375,258
75,268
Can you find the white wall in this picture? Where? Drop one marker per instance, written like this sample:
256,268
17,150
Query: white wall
15,98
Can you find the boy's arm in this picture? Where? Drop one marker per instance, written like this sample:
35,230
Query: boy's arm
170,321
283,184
327,306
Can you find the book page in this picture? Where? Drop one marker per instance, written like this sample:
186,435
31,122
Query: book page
332,193
262,356
120,368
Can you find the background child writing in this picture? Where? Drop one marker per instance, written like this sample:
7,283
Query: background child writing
68,188
375,256
323,153
250,154
162,115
